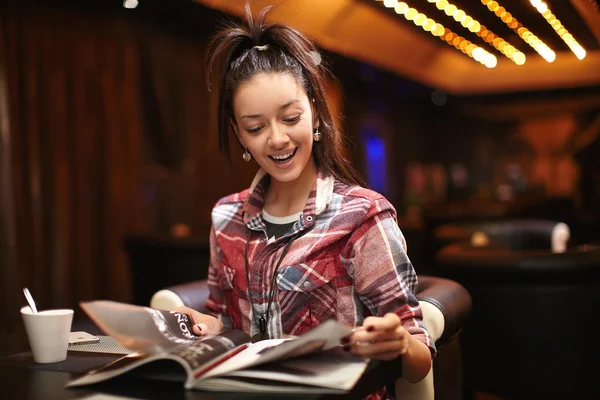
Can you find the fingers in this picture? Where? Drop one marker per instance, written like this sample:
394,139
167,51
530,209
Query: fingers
384,350
208,327
387,322
385,346
200,329
203,324
378,328
380,350
382,338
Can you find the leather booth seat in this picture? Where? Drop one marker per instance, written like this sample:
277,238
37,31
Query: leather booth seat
446,308
534,319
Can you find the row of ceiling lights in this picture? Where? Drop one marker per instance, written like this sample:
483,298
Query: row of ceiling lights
555,23
468,22
436,29
474,26
532,40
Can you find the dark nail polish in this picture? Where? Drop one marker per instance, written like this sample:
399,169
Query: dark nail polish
346,348
345,340
370,328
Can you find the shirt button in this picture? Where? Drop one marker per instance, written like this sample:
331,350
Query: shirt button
306,284
256,278
309,218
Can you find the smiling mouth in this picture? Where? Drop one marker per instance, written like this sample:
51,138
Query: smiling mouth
281,159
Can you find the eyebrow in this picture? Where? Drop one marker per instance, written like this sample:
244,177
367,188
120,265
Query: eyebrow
286,105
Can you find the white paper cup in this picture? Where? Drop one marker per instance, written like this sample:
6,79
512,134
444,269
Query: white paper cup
48,333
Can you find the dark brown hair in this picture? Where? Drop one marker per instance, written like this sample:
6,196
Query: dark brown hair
287,51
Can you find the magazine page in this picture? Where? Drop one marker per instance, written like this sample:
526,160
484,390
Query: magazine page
140,328
193,356
115,368
208,352
332,371
323,337
206,361
244,359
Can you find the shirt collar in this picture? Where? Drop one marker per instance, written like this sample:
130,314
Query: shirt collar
318,199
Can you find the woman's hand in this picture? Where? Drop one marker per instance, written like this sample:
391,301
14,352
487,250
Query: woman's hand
203,324
384,338
380,338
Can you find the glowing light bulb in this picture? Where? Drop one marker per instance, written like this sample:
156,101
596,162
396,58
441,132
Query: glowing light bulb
429,25
450,10
491,61
439,30
580,53
410,14
420,19
459,15
442,4
401,8
519,58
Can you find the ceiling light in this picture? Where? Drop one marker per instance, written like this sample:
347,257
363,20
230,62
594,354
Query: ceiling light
436,29
532,40
560,30
474,26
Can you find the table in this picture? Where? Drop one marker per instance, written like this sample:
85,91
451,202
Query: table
23,379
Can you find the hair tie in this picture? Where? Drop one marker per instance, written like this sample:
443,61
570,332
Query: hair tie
261,48
316,57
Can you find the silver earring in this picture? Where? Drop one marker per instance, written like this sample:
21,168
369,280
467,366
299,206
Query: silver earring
316,135
247,156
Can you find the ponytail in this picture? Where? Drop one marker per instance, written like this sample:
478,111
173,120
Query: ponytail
257,46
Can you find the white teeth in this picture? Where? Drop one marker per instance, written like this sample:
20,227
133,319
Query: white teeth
284,156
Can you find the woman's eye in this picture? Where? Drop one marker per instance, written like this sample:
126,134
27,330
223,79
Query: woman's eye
254,130
293,119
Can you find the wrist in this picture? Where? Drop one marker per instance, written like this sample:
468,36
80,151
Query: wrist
416,361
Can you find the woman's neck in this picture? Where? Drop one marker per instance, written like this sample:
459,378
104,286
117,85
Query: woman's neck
288,198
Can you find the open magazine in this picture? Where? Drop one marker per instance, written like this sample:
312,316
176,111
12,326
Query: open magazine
162,340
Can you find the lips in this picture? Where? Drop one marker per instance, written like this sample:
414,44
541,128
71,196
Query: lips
285,157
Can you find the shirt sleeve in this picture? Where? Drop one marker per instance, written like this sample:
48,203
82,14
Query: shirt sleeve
384,277
216,300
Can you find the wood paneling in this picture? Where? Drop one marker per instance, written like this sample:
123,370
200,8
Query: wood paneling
76,133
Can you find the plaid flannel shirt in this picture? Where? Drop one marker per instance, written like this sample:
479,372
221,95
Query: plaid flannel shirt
348,262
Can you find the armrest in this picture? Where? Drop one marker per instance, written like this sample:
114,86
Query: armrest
450,298
192,294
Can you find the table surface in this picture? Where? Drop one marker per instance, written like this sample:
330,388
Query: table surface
21,382
22,378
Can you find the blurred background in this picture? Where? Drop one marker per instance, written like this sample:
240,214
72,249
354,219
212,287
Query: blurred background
456,111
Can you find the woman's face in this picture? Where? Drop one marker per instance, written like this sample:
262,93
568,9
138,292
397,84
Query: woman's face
274,121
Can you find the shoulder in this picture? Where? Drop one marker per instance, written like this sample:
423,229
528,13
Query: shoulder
228,207
234,198
362,200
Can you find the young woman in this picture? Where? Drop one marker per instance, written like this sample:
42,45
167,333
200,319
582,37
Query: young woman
305,242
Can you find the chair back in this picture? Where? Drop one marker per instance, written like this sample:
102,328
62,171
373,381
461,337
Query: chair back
514,234
156,262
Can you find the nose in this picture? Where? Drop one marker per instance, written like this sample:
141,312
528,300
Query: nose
278,138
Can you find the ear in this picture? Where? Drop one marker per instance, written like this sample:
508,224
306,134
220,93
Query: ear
236,130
